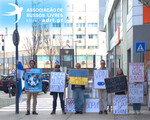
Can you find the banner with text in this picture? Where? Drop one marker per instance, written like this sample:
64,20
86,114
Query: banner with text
78,77
99,76
57,82
136,93
120,104
136,72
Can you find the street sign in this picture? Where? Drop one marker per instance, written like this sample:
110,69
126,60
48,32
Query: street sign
140,47
16,37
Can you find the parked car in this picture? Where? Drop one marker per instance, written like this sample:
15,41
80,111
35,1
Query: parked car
45,82
8,84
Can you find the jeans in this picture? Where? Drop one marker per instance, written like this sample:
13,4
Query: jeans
137,106
55,95
78,95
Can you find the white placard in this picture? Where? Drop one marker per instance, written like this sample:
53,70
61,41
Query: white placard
148,77
99,76
136,93
92,105
57,82
136,72
70,107
120,104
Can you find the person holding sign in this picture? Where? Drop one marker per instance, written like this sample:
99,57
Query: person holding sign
78,94
137,106
120,73
55,95
34,94
103,96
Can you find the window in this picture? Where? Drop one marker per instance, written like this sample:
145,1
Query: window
68,24
93,36
56,36
68,36
81,47
92,47
92,25
56,24
80,24
80,36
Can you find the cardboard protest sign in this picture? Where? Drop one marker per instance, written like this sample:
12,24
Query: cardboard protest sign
92,106
99,76
33,82
78,77
116,84
120,104
136,72
136,93
57,82
70,107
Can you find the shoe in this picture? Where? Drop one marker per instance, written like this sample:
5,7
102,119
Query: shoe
63,112
34,113
80,112
139,113
100,112
53,112
28,112
135,113
105,112
76,112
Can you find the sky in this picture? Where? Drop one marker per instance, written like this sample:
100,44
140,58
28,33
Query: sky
54,13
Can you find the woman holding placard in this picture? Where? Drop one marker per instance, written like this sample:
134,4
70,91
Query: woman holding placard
55,95
137,106
120,73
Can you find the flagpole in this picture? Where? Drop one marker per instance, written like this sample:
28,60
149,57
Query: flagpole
17,81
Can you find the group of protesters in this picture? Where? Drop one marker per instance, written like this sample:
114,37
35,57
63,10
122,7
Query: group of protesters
78,94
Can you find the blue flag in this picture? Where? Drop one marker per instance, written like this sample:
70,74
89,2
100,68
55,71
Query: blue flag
19,76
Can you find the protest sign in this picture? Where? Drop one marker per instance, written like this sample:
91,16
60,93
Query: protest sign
99,76
78,77
120,104
136,72
57,82
92,106
70,107
116,84
136,93
33,82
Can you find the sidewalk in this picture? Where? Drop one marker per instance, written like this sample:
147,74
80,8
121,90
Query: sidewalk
45,115
44,107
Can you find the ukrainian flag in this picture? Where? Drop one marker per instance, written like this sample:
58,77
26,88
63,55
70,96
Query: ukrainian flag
78,77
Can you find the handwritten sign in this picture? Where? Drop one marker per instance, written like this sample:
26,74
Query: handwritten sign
99,76
33,82
78,77
92,105
136,72
70,107
148,77
116,84
136,93
120,104
57,82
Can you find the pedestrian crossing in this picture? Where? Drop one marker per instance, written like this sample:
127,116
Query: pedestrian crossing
43,104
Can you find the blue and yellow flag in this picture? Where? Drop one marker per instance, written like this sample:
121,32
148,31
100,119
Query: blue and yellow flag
78,77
